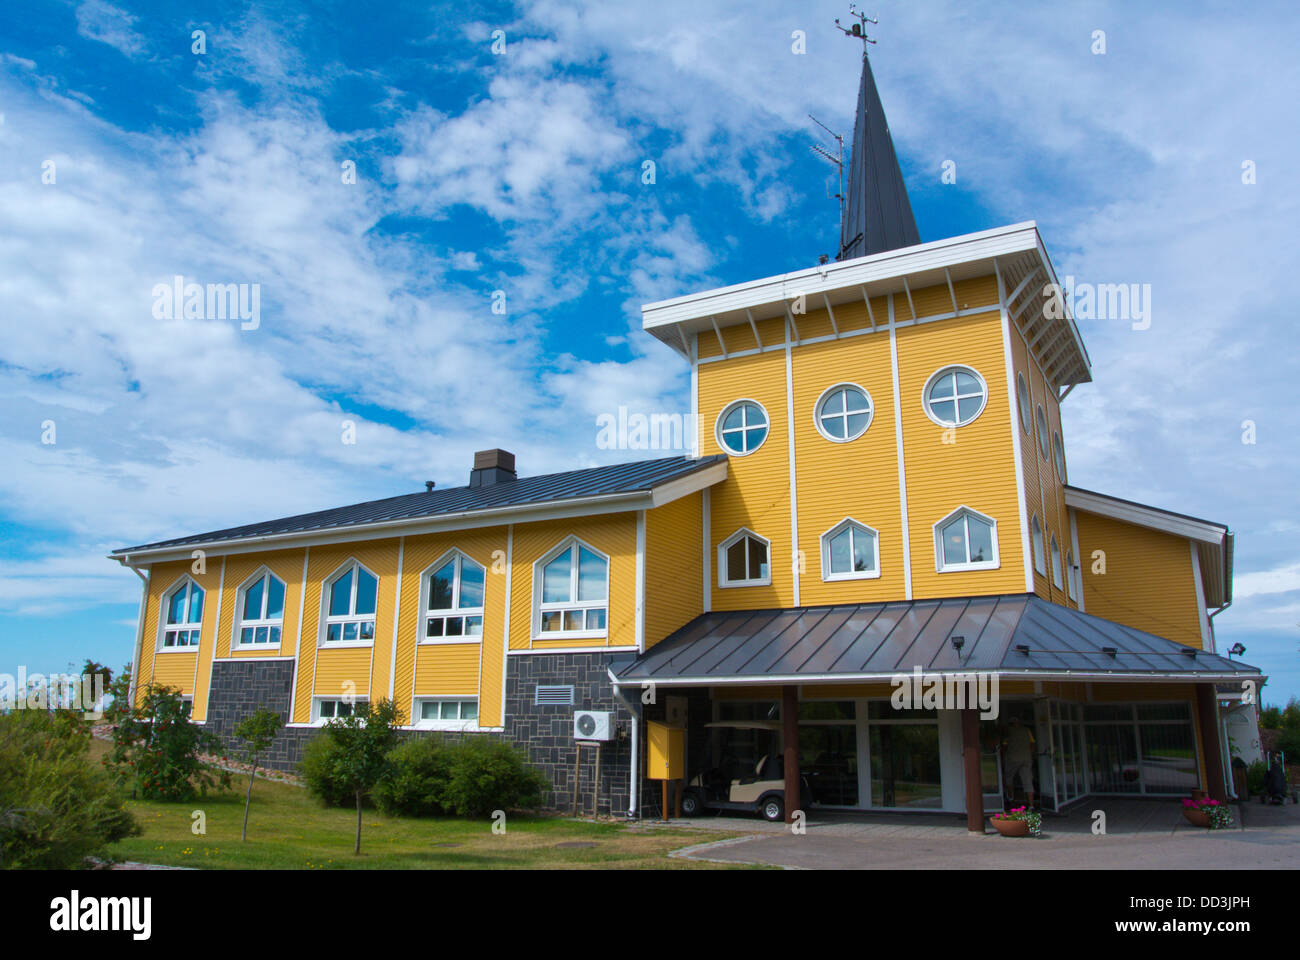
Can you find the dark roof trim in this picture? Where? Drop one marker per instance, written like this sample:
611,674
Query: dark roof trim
620,487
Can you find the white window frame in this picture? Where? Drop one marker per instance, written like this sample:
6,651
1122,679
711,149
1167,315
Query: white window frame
717,427
573,545
940,373
319,721
417,708
1025,403
184,582
236,639
1058,455
1038,544
1071,574
1054,549
326,619
826,395
723,582
941,566
848,523
461,558
1044,442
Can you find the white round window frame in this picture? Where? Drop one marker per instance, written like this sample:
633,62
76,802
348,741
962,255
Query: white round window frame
817,411
925,395
1058,455
1026,405
717,427
1044,441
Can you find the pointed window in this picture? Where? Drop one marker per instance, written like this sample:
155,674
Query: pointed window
743,560
1057,580
260,603
1072,577
183,605
1036,539
351,596
453,606
965,540
571,592
850,551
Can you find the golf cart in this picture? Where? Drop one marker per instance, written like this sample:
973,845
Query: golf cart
761,791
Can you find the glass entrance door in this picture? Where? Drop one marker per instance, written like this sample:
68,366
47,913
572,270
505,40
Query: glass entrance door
905,765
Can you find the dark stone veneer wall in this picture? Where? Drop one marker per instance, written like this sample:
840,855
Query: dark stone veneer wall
544,733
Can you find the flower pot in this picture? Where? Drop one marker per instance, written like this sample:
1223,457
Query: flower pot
1011,828
1198,795
1197,818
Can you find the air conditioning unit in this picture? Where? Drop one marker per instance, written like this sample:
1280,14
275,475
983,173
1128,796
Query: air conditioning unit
592,725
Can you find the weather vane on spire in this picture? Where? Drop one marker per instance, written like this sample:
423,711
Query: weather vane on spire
859,29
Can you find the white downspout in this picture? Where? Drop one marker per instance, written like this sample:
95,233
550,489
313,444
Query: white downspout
634,769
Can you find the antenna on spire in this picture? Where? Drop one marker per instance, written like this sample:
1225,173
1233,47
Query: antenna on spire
834,159
859,29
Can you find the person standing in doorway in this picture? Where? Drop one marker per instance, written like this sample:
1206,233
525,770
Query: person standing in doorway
1020,757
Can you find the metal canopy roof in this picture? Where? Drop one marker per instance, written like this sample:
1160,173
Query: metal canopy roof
1015,635
553,488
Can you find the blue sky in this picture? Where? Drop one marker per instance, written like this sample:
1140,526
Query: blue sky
521,172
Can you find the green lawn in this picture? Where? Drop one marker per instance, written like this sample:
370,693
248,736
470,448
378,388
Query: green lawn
288,829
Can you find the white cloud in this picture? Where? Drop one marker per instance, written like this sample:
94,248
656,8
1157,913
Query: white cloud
98,20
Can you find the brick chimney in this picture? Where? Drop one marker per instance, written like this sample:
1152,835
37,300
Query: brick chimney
492,466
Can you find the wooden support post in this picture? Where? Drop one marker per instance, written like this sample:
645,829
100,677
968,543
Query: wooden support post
1208,713
678,790
664,812
790,739
970,755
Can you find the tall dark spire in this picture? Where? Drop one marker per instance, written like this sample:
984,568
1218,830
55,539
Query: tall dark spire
877,213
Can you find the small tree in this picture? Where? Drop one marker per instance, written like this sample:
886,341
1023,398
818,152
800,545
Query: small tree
157,750
363,741
257,731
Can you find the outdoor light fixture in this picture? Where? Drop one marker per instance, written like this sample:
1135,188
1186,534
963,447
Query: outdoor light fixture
1110,651
958,642
1236,650
1022,648
1189,652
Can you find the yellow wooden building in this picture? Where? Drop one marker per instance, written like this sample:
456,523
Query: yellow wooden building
877,498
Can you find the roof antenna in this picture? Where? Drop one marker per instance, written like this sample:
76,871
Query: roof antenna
858,29
834,159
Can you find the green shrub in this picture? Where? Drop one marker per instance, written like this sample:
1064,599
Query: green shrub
419,773
56,807
156,750
319,770
489,774
1255,775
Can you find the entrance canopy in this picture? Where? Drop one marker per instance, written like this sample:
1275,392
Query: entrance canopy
1018,636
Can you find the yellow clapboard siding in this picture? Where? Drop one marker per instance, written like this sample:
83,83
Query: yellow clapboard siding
175,670
858,479
976,468
448,669
1149,581
169,668
756,493
285,564
613,535
674,588
336,669
486,547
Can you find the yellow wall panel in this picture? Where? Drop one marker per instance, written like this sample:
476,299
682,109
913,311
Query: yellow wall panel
674,587
447,669
335,669
176,668
1149,583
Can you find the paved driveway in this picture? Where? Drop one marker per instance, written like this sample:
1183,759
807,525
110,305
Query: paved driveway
1140,834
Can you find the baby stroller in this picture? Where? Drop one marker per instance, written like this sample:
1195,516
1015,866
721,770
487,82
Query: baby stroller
1274,781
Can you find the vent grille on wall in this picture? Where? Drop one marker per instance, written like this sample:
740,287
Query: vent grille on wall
554,696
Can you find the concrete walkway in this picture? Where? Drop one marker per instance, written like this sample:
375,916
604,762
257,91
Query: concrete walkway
1140,834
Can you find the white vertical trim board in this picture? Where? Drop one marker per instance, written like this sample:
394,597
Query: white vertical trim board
640,580
1016,431
794,490
397,617
898,441
139,632
216,635
505,632
707,544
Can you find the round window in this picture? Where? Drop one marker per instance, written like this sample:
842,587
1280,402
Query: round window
843,413
1059,449
1026,413
955,396
742,427
1043,447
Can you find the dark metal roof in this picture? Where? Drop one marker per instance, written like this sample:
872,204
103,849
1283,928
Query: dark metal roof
877,212
882,639
642,475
